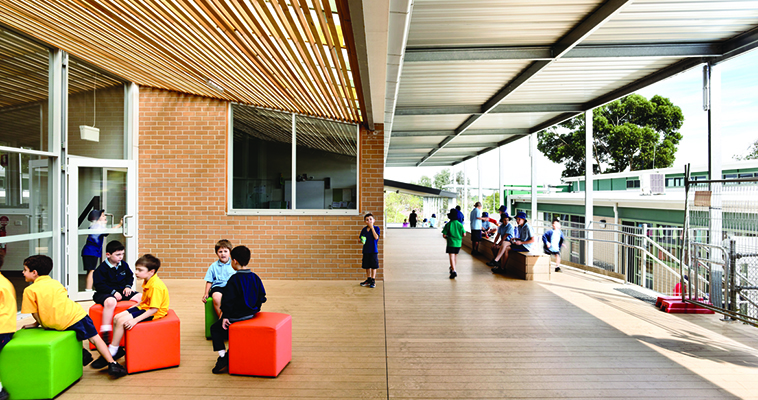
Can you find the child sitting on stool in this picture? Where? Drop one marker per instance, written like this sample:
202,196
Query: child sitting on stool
113,283
242,299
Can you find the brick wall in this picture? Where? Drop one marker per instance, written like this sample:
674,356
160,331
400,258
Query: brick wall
183,192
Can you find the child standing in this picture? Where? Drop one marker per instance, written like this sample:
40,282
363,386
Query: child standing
47,300
154,305
113,281
218,273
370,237
454,234
552,241
242,300
93,247
7,316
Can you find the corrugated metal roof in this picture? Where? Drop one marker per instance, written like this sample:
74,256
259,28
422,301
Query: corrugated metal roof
477,75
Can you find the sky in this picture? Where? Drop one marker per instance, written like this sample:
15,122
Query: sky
740,117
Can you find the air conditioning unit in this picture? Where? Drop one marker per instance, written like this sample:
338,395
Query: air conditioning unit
645,184
657,183
89,133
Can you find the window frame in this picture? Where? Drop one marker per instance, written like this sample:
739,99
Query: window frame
293,179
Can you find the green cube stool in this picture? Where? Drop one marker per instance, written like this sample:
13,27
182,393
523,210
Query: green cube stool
210,317
39,364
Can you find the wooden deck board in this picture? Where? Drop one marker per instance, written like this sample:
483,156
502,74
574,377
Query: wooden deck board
477,337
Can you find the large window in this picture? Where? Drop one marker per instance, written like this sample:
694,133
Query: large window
282,161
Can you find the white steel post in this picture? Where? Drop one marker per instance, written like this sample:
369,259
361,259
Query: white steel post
465,187
533,159
588,185
500,174
479,176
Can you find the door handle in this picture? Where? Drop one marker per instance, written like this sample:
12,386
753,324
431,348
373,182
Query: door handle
124,227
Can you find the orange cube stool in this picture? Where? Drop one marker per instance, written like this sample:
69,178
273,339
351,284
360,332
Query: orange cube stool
261,346
96,313
153,344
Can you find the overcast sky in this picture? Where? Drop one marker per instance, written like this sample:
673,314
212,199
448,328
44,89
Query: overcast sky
739,131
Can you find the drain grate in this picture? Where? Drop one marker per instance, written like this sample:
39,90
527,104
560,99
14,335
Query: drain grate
637,295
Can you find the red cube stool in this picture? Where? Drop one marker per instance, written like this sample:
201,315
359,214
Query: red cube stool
153,344
96,313
261,346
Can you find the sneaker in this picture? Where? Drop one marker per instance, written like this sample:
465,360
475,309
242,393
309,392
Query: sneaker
372,284
557,269
453,274
4,394
100,363
117,370
497,270
222,363
493,263
86,357
366,282
119,353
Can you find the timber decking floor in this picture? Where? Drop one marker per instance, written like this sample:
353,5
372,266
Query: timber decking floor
420,335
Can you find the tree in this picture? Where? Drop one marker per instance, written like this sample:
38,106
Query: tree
752,153
441,179
424,181
631,133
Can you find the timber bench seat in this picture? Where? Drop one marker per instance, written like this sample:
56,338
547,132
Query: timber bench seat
529,266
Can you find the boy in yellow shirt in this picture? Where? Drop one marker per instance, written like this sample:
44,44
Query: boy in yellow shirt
154,305
7,316
47,300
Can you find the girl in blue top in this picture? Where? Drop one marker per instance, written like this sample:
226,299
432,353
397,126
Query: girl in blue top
93,248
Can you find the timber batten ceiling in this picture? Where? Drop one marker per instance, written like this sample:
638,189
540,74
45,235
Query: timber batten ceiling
479,75
288,55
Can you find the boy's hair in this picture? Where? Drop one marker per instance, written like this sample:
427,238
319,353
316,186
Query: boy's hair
477,204
149,261
556,220
367,215
224,244
504,218
241,254
40,263
114,246
458,208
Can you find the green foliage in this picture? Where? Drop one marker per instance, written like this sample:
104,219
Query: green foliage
752,153
424,181
632,132
398,206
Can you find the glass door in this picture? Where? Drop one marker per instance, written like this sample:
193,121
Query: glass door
101,208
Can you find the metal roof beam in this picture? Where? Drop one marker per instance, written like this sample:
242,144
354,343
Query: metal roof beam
471,132
500,109
739,45
543,53
566,43
426,146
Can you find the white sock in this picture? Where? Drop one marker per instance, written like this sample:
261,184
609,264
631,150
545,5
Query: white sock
1,386
106,328
221,353
113,349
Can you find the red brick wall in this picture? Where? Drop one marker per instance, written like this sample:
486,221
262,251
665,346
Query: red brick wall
183,193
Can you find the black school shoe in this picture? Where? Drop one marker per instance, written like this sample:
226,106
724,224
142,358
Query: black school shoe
493,263
116,370
222,363
372,284
557,269
4,394
86,357
453,274
100,363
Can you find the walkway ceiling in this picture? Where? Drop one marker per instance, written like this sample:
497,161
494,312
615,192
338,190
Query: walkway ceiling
282,54
478,75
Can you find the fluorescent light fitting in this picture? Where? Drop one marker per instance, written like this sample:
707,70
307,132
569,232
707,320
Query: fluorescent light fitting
215,86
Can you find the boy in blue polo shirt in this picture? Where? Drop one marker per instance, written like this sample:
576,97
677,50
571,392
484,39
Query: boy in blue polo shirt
218,274
370,237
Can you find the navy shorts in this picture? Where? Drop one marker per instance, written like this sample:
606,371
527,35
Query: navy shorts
452,250
216,289
5,338
519,248
136,312
552,253
90,262
370,261
84,329
100,298
476,235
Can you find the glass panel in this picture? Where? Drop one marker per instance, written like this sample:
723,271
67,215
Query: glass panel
24,194
262,150
326,164
99,189
95,113
16,252
23,92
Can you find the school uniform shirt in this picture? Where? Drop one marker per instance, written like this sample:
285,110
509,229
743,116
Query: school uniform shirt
371,246
506,231
218,273
110,279
454,232
49,299
460,216
154,295
524,233
553,240
94,244
476,223
7,306
243,296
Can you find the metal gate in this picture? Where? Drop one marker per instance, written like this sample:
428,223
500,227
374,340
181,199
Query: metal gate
720,262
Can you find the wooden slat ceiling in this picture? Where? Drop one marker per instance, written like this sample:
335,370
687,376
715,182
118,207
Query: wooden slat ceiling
282,54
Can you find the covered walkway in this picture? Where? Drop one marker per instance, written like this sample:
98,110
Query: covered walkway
477,337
